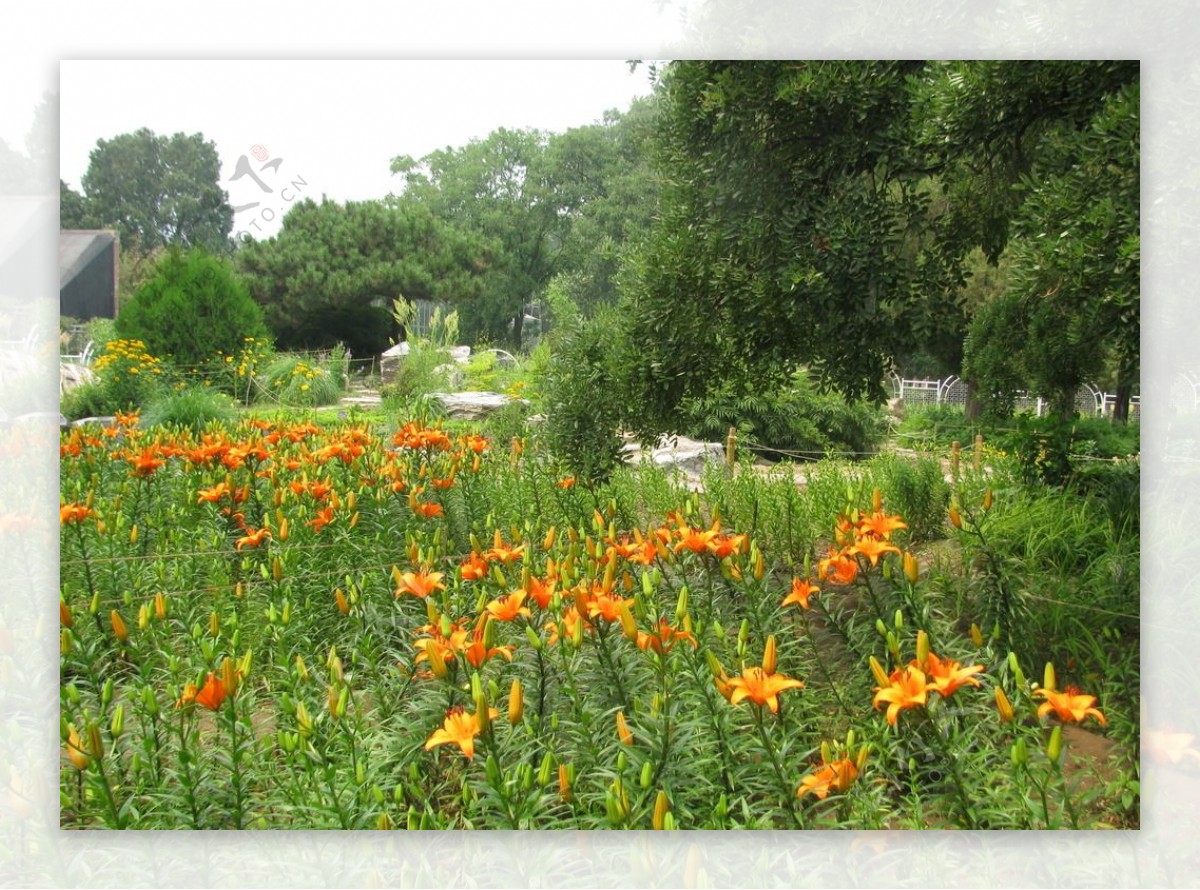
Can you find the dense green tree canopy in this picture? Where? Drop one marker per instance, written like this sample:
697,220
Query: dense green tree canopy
827,214
332,272
192,306
158,191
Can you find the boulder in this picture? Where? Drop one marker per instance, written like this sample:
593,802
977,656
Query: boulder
688,455
470,405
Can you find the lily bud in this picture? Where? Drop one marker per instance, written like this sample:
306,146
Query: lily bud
229,676
301,668
661,808
922,649
681,604
1004,706
95,740
133,534
340,599
628,624
516,703
143,620
987,500
1019,752
955,519
1054,746
214,624
482,712
303,719
76,752
284,529
1049,681
769,656
623,732
160,606
881,676
548,541
64,614
976,635
876,501
912,570
118,626
277,569
564,783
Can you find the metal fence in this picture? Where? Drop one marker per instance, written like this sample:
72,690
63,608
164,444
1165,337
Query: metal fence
1089,401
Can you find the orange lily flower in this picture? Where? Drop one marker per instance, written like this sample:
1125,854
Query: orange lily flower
508,606
908,689
1070,706
881,525
726,545
213,694
502,552
873,548
541,592
477,653
802,592
838,568
253,538
696,540
72,513
606,606
760,687
212,495
664,639
945,676
324,517
421,584
474,568
146,463
427,510
836,776
568,482
459,728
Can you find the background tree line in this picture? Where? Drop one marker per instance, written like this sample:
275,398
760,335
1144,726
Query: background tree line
747,220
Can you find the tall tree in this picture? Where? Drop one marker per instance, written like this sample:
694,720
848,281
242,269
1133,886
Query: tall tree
158,191
332,272
499,188
795,228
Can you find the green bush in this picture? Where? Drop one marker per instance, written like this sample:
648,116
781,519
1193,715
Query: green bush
86,400
580,397
194,407
794,418
128,377
192,307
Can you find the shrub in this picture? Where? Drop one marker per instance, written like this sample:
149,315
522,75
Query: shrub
191,308
794,418
194,407
581,401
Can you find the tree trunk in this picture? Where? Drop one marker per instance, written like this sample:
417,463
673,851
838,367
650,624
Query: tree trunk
1124,393
973,408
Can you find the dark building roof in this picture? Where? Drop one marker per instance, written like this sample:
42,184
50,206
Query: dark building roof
87,273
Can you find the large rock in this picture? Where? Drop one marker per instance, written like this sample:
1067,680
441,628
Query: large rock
688,455
470,405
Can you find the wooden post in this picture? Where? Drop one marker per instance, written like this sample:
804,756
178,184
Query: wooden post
955,454
978,452
731,449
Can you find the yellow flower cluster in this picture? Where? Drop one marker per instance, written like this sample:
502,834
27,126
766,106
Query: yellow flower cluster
129,356
254,351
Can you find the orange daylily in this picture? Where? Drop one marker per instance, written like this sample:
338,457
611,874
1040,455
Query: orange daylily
838,568
503,552
726,545
541,592
1070,706
426,510
907,689
606,606
568,482
421,584
253,538
802,592
72,513
212,495
664,638
508,606
459,728
836,776
873,548
324,517
146,463
881,525
474,568
945,676
760,687
213,694
696,540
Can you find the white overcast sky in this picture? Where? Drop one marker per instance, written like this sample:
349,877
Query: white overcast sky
335,125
